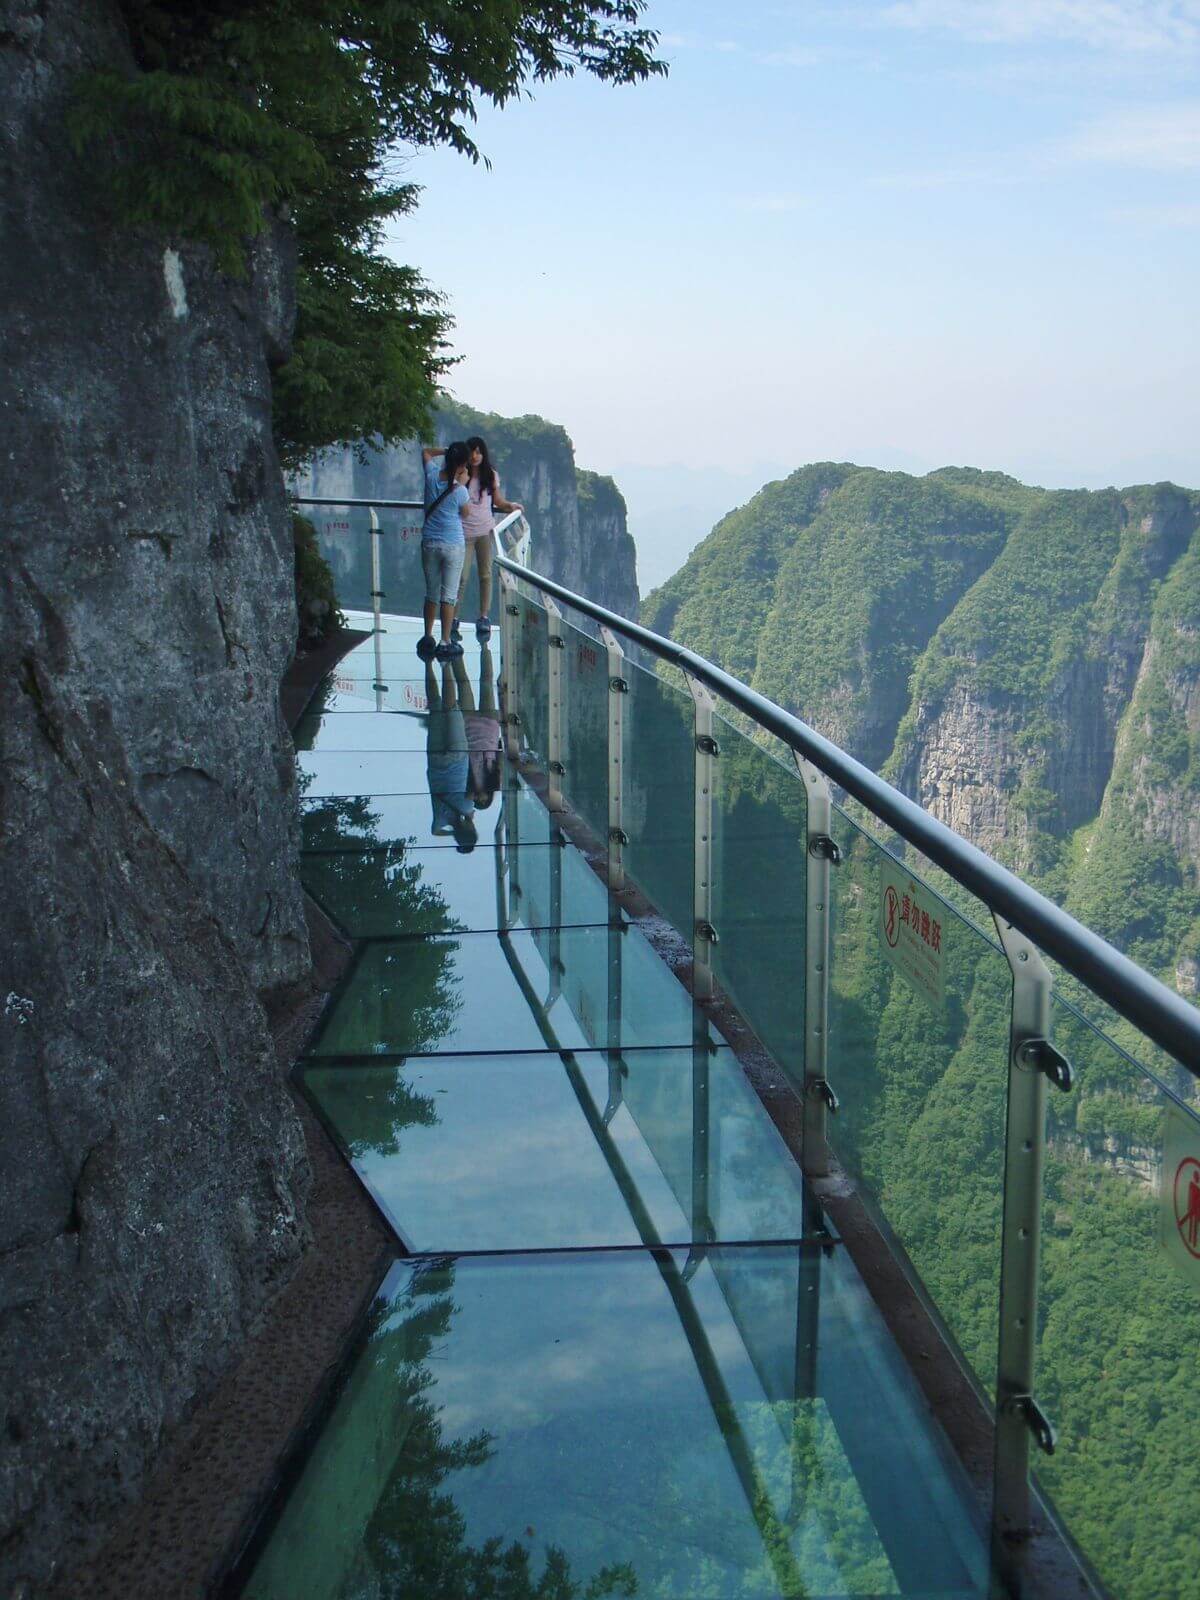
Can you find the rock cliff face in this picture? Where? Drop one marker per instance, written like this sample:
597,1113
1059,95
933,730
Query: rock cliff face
1025,663
151,1172
578,518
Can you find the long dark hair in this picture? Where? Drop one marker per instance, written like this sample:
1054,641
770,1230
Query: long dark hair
457,455
485,472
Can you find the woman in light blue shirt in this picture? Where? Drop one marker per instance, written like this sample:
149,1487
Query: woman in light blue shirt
443,545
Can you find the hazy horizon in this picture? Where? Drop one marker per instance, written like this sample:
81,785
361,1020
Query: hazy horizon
904,233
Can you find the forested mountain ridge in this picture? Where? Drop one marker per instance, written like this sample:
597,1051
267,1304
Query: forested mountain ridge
1024,662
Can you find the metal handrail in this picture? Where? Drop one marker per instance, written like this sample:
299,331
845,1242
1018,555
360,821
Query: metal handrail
345,500
1160,1013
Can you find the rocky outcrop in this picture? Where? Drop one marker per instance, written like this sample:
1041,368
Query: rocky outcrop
608,557
151,1176
580,537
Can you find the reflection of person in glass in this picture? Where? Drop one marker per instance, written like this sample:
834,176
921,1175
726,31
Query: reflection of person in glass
447,767
483,730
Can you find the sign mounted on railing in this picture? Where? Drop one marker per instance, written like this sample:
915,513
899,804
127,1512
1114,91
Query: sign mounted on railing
910,931
1179,1197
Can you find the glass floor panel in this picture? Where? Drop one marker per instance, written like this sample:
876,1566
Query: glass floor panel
482,992
390,730
600,1425
547,1151
336,772
392,891
355,822
355,697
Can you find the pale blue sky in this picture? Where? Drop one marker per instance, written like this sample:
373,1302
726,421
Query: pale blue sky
903,234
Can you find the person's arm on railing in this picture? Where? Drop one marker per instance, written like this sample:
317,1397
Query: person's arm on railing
499,503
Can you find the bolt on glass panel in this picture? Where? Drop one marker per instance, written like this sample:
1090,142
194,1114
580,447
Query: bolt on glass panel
919,1031
1118,1361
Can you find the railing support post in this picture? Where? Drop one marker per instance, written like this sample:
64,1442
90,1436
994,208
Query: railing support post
820,856
704,934
1031,1060
379,686
556,644
618,691
510,613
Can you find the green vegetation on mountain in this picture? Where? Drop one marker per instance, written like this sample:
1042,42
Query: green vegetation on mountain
240,116
1027,664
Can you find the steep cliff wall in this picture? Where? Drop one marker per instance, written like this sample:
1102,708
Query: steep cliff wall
151,1173
578,518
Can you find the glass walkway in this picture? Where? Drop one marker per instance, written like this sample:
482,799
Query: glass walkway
674,1046
621,1350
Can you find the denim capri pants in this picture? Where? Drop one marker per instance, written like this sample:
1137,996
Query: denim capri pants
443,564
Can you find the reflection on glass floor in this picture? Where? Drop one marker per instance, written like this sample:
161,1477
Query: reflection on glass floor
684,1391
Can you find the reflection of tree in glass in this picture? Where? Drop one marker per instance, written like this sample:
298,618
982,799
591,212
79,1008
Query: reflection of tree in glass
415,1542
370,1107
378,889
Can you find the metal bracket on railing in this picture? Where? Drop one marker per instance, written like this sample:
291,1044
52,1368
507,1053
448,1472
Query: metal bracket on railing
704,935
556,644
1036,1420
1017,1416
821,853
1039,1055
618,688
822,1089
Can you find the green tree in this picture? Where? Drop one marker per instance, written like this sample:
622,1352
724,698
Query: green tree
246,109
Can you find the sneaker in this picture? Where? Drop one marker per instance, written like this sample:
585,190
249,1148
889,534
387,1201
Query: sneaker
456,631
426,648
449,649
483,627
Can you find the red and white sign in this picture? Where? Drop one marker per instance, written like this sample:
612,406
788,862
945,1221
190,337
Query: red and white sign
910,930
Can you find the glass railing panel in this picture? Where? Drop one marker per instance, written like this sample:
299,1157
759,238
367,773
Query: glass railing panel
1119,1320
532,675
659,806
759,891
344,536
585,729
919,1020
593,1425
